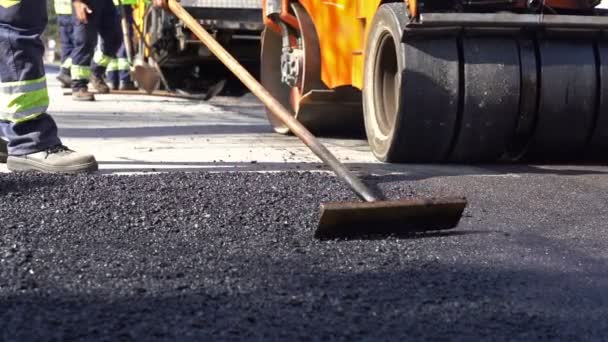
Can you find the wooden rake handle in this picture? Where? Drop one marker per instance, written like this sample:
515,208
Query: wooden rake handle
272,104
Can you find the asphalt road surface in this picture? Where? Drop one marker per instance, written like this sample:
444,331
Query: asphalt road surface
217,255
231,256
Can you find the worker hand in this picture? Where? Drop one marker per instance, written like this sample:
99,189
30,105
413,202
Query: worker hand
160,3
82,11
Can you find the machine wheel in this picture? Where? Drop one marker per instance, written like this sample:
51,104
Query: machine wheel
410,93
528,99
598,145
270,76
567,102
453,95
490,99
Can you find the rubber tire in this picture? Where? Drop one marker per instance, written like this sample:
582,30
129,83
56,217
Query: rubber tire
426,81
270,76
567,100
598,146
490,102
528,99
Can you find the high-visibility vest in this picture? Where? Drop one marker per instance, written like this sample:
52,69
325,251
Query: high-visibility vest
139,11
63,7
125,2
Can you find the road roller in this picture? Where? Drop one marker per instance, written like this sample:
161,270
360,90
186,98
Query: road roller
444,81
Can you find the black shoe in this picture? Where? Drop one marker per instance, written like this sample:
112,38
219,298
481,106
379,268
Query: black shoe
127,85
3,151
214,90
65,80
82,94
114,85
58,159
99,84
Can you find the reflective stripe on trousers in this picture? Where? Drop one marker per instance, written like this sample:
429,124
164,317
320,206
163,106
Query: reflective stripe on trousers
113,65
118,64
123,64
80,72
100,59
67,64
23,100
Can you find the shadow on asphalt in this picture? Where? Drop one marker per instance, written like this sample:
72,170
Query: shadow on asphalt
294,301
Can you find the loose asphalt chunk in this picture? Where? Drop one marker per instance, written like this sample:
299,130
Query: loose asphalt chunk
230,256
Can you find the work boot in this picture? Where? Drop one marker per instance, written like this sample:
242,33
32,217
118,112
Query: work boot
82,94
64,78
58,159
99,84
127,85
3,151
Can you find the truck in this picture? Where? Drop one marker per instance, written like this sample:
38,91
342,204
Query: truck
186,64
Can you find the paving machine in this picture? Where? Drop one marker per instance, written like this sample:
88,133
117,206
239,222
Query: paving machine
444,80
185,62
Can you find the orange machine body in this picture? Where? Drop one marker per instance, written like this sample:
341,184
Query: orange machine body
342,27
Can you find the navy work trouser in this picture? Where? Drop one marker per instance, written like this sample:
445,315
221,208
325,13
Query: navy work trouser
23,94
119,69
66,37
103,22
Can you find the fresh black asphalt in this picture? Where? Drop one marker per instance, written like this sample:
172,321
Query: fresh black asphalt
230,256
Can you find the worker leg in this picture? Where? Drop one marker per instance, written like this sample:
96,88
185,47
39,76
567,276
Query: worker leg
124,74
85,40
24,97
33,143
100,65
123,59
113,70
112,74
66,31
122,64
109,31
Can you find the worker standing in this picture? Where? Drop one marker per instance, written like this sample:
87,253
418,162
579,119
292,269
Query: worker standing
93,18
63,9
118,70
33,143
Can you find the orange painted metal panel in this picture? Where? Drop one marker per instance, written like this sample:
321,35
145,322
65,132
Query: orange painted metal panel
341,26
